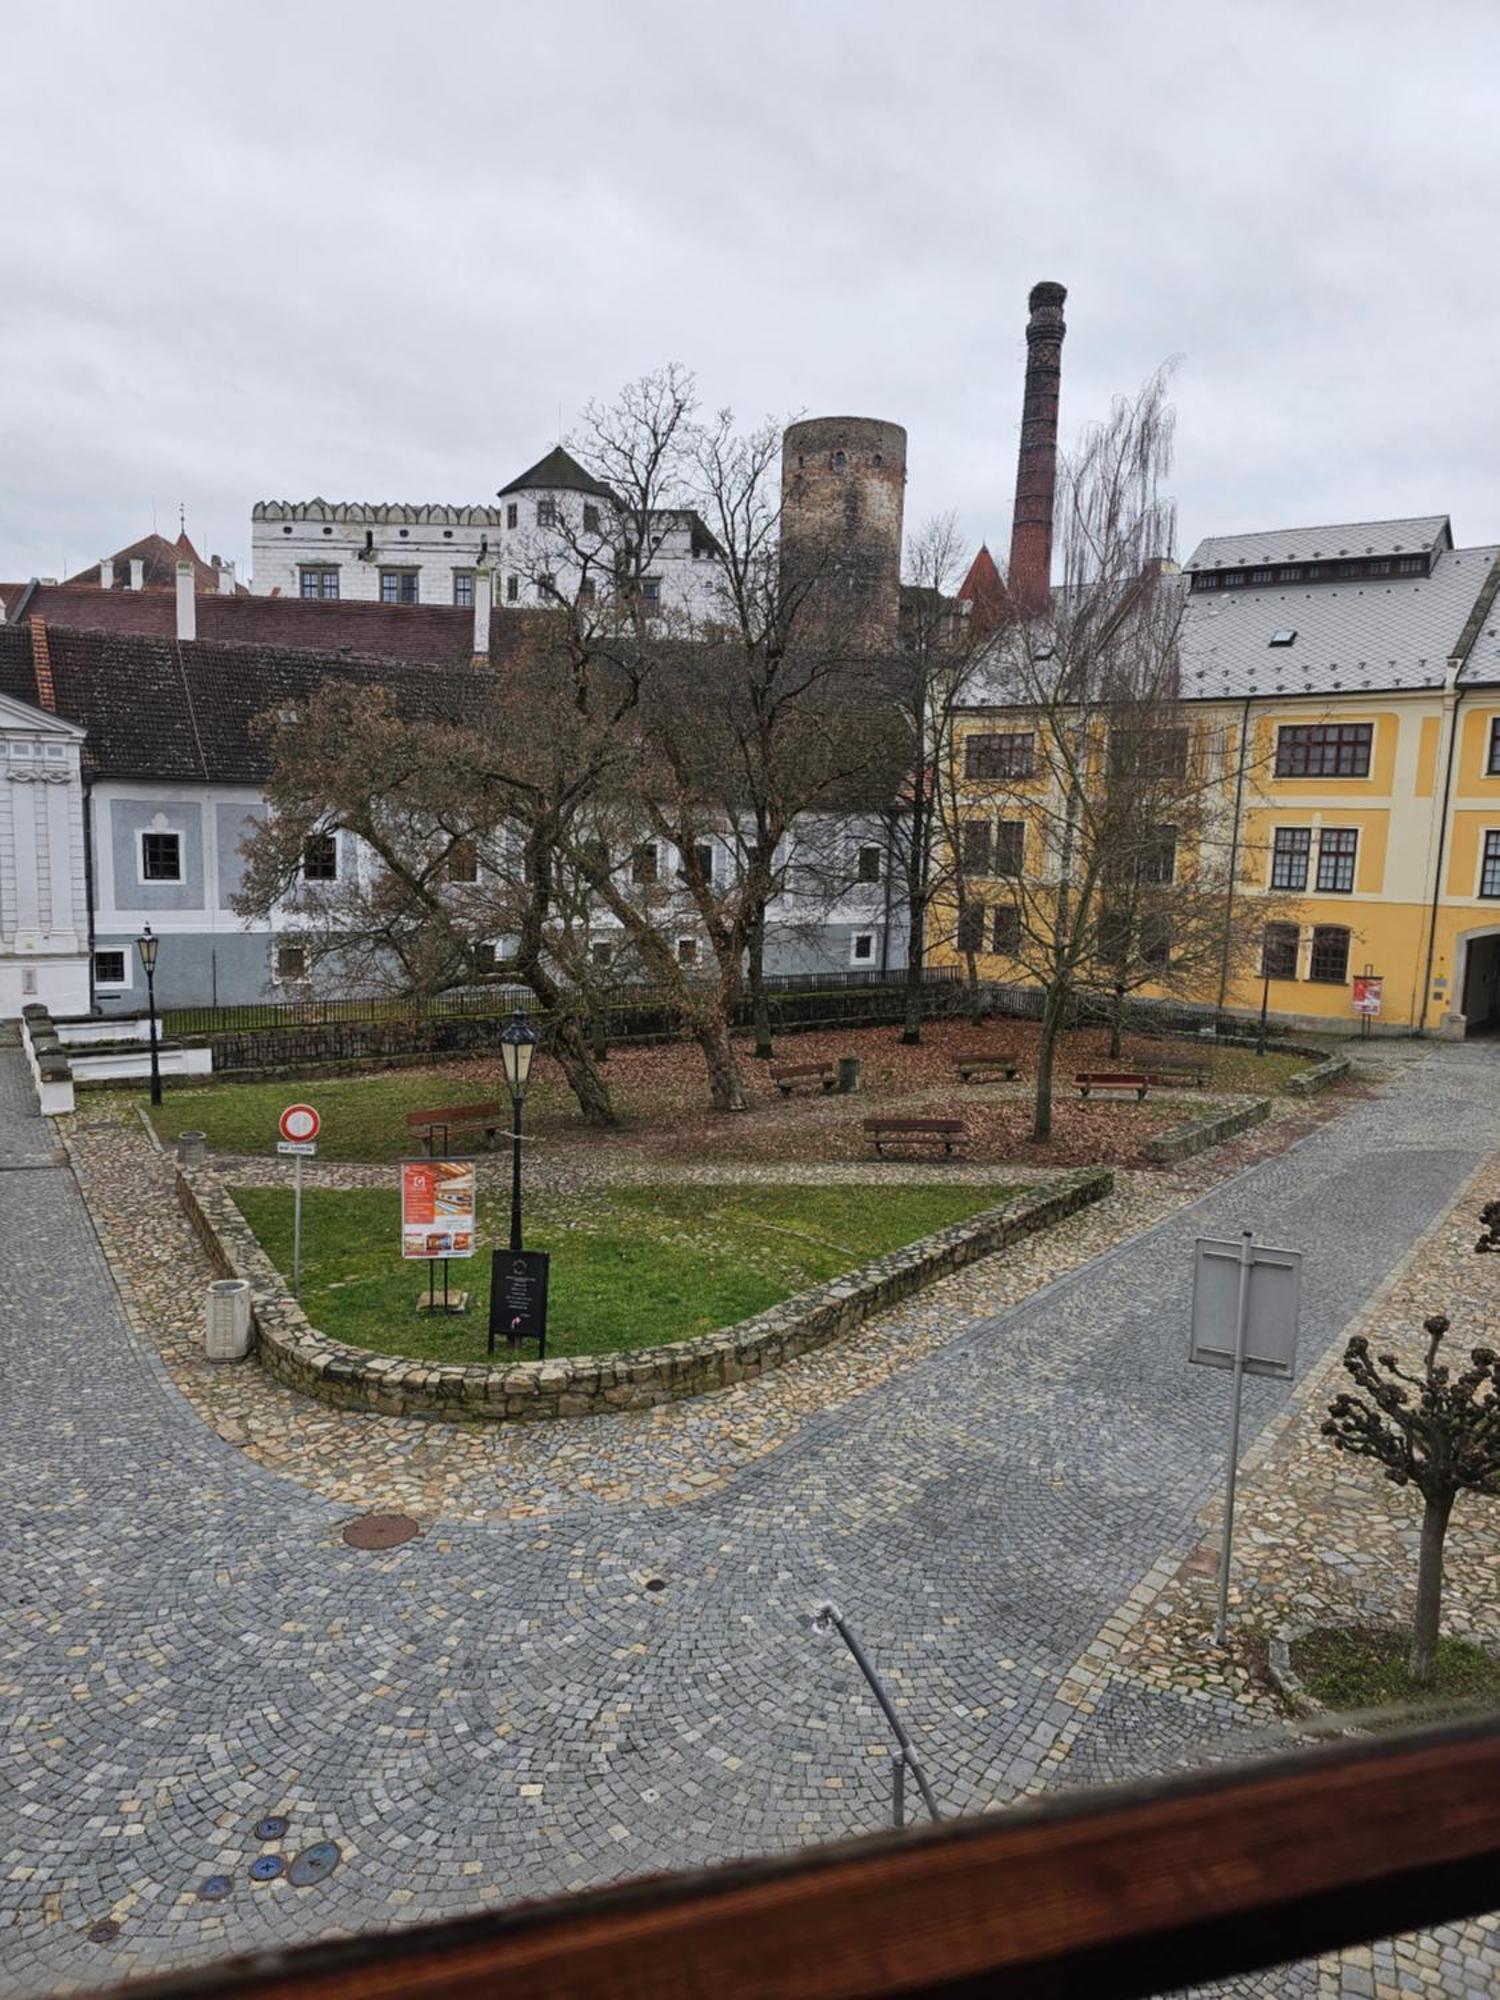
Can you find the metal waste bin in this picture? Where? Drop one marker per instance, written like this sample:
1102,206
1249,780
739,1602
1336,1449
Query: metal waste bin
192,1150
848,1075
226,1327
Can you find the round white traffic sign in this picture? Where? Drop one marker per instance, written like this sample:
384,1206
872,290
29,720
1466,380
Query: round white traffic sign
300,1121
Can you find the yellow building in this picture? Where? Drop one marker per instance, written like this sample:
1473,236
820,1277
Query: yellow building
1342,687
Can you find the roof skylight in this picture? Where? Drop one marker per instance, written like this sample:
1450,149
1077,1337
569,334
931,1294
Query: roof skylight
1283,637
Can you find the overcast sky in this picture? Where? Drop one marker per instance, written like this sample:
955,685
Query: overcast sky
370,251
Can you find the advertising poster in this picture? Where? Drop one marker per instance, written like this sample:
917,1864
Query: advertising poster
1367,992
438,1199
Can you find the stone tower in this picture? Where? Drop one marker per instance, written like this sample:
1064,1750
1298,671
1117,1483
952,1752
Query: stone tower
843,485
1036,468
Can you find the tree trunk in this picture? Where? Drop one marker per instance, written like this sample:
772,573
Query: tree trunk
1424,1632
582,1073
725,1090
976,1005
760,1010
1117,1025
1054,1007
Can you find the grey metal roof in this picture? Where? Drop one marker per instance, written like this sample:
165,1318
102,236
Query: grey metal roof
1350,538
1370,633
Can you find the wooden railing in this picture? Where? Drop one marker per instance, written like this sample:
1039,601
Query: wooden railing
1110,1895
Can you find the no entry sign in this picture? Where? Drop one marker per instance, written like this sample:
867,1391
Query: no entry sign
300,1122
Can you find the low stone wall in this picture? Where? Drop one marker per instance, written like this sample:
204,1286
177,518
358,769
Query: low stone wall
1180,1142
1320,1076
594,1384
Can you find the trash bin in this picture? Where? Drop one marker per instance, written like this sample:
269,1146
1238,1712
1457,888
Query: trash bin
226,1331
192,1150
848,1075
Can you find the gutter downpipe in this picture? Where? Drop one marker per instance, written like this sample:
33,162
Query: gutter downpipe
1234,855
1419,1026
88,886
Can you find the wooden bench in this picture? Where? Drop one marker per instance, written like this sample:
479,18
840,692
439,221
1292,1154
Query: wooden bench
1118,1081
985,1069
1178,1079
949,1133
786,1076
491,1117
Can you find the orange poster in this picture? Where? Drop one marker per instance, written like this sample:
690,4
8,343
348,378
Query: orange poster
438,1201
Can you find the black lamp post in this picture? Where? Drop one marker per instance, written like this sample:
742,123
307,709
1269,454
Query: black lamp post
146,945
518,1040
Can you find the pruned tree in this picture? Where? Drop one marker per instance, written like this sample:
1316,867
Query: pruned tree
1431,1429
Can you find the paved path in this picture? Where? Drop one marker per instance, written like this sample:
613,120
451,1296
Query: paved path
503,1709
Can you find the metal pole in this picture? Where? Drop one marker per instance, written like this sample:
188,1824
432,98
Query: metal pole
151,1009
1265,1007
828,1616
1241,1313
898,1789
515,1173
296,1225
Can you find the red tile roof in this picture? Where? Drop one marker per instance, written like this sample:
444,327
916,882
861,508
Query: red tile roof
985,591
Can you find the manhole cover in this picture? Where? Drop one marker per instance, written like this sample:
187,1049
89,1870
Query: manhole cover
379,1531
214,1888
656,1583
266,1867
104,1932
314,1864
272,1827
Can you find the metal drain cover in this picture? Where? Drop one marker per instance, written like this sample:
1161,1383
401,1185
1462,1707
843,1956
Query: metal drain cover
272,1827
379,1531
266,1867
656,1583
104,1932
314,1864
214,1888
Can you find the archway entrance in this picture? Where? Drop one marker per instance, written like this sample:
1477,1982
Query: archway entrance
1481,994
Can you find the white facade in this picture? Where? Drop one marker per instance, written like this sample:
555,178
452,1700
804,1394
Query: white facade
43,895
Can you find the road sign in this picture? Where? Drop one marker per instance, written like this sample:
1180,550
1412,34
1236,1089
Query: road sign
300,1126
1245,1298
302,1147
518,1298
300,1121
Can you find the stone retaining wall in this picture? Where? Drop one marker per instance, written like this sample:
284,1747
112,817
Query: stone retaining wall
1320,1076
1180,1142
594,1384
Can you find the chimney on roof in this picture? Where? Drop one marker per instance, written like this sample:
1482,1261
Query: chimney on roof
187,606
41,666
137,572
106,572
1036,468
484,598
226,578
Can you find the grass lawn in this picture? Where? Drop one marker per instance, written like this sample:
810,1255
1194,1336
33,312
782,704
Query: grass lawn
363,1116
1351,1667
635,1267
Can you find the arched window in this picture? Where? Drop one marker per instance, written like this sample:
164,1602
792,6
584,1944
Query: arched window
839,461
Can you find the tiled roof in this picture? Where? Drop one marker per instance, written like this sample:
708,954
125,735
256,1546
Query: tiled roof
1369,633
441,633
1352,538
558,471
160,558
184,713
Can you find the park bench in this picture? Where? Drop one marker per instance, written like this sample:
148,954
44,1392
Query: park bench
491,1118
985,1069
786,1076
1118,1081
1178,1079
949,1133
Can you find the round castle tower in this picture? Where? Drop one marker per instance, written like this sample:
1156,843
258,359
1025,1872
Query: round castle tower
843,483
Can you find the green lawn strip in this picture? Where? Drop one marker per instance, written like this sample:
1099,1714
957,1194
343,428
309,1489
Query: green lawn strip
1354,1667
635,1267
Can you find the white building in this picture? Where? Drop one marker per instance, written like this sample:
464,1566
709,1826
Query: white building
552,533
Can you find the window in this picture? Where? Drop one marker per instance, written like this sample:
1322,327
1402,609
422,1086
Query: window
971,927
291,963
1260,576
1284,635
1336,850
1233,577
600,954
869,867
546,585
1324,750
703,856
1205,582
585,590
109,968
1492,763
512,589
1158,857
643,864
1149,753
512,514
1330,954
463,586
651,594
161,857
398,586
320,858
1489,871
1010,847
1289,851
318,582
687,951
862,948
484,959
976,846
590,518
1010,756
546,513
1412,566
1290,573
1156,938
1278,951
1007,935
463,860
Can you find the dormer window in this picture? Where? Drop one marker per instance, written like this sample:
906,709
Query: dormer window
1283,637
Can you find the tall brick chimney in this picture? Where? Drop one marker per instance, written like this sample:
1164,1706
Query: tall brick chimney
1036,469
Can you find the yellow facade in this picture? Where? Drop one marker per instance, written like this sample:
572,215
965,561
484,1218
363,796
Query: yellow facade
1424,815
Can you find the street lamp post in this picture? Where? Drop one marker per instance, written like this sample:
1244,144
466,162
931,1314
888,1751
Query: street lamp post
146,945
1265,1008
518,1040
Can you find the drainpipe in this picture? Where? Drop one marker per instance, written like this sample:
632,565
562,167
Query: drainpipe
1234,855
1419,1025
885,925
88,886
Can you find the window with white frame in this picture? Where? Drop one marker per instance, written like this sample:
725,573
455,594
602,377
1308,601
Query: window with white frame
862,948
318,580
869,868
110,969
320,858
463,588
290,964
687,951
1337,848
161,856
1489,867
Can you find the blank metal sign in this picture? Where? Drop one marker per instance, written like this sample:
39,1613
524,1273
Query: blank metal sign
1271,1314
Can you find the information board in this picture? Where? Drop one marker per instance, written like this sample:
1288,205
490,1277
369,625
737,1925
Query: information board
518,1298
1368,987
438,1200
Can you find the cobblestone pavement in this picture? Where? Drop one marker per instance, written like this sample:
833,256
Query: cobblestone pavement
502,1708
